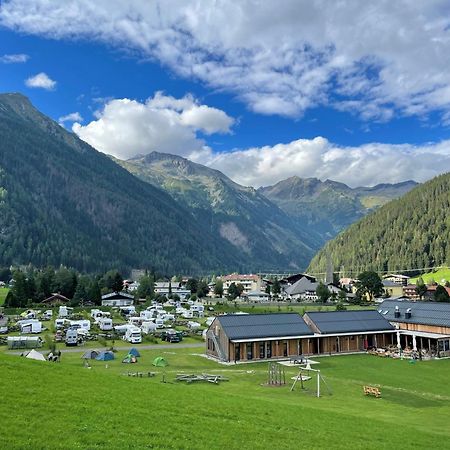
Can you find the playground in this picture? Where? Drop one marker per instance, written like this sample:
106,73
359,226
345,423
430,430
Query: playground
184,403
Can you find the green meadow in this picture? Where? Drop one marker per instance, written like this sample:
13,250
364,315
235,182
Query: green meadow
438,276
65,405
3,293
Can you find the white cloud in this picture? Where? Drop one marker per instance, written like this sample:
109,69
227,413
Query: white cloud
126,128
72,117
376,59
14,58
41,80
365,165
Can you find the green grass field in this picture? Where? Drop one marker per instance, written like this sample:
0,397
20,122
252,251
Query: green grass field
3,293
51,405
438,276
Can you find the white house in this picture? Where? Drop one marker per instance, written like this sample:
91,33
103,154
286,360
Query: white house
258,296
167,288
117,299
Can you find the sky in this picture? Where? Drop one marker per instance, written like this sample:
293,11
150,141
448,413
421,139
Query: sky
357,92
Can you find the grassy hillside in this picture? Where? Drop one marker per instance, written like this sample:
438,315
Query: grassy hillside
408,233
101,408
3,293
439,276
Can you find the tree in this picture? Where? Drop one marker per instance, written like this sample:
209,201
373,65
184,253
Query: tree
276,288
202,289
45,283
421,288
239,289
81,293
65,282
113,281
342,296
218,288
340,307
191,285
19,289
441,294
323,293
369,285
232,291
94,293
146,287
268,288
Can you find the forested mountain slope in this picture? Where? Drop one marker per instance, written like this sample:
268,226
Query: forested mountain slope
62,202
408,233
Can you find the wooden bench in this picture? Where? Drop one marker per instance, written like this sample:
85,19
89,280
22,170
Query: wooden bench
370,390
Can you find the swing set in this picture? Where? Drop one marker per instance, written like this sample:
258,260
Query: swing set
306,373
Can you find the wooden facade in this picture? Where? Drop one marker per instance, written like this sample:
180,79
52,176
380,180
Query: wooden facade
288,347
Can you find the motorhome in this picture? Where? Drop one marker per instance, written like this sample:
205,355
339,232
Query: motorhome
97,314
64,311
159,323
29,314
133,335
30,326
127,310
193,325
105,323
146,315
47,315
85,324
121,329
71,337
198,310
135,321
187,314
59,323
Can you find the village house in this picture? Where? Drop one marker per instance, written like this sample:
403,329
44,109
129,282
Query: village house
402,280
167,288
56,299
420,325
410,291
257,296
249,282
392,289
117,299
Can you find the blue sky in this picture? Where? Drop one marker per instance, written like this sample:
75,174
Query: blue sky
238,90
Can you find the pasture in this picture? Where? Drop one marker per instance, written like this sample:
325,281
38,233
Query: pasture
439,276
3,293
65,405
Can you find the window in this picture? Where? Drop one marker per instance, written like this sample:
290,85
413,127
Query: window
237,352
285,348
262,350
268,349
249,350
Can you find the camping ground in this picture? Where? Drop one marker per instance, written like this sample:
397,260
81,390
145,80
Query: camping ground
69,406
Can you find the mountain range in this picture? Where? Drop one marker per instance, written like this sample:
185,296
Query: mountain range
63,202
407,234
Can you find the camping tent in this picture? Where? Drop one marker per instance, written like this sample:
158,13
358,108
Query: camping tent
33,354
134,351
130,359
160,362
105,356
90,354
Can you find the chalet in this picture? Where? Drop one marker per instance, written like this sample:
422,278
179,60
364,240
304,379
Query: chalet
420,325
401,280
410,291
349,331
56,299
302,289
117,299
248,337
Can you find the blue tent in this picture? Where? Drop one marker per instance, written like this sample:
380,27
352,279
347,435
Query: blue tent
134,351
105,356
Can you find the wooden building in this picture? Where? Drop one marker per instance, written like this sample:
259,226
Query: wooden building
234,338
247,337
420,325
349,331
117,299
56,299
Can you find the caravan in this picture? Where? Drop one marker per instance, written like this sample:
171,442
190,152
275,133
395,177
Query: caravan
148,327
30,326
84,324
64,311
198,310
71,337
105,323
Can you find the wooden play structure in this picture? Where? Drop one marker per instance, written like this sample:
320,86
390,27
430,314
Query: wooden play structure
371,390
276,375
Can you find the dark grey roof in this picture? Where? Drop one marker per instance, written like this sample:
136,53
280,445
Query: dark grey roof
254,326
301,286
117,296
425,313
349,321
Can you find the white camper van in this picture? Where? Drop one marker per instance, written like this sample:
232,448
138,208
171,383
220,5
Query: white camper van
71,337
133,335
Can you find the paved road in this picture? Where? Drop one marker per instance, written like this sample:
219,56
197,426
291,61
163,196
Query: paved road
122,347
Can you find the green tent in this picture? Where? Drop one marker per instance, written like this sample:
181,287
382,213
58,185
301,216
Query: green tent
160,362
130,359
